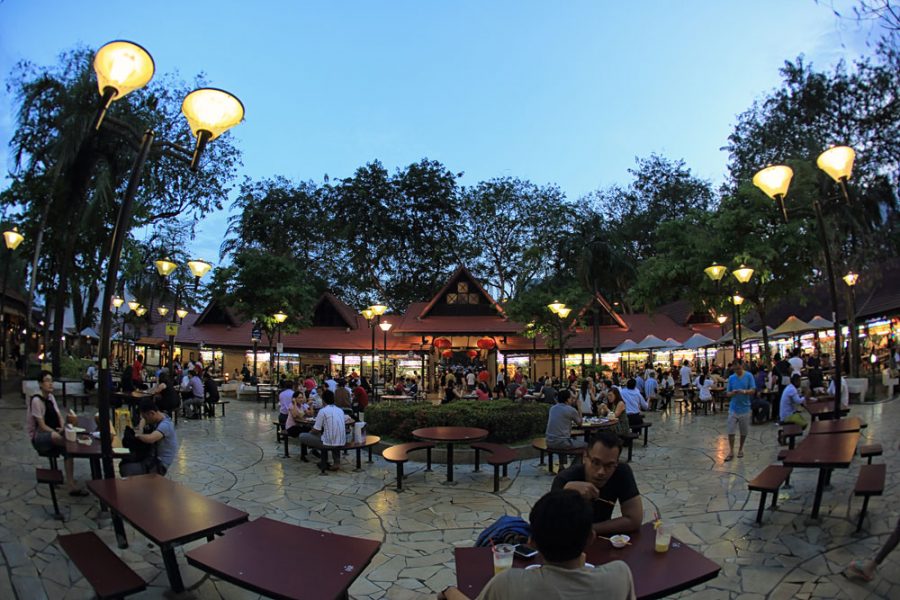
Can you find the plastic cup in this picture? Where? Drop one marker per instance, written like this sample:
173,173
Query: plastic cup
503,557
663,539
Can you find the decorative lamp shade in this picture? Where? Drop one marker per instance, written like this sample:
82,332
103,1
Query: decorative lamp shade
141,311
743,274
555,306
378,309
737,299
851,278
721,319
472,353
118,301
484,376
486,343
182,313
279,317
715,272
165,266
134,305
123,66
199,267
212,110
774,181
162,309
385,327
447,353
837,161
563,312
13,238
442,343
368,314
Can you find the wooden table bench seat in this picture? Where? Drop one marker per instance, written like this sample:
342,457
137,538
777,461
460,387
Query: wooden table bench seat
869,483
771,478
643,427
500,457
540,444
788,434
107,573
870,450
399,454
220,403
53,478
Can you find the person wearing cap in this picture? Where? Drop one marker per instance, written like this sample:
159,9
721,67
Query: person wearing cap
157,430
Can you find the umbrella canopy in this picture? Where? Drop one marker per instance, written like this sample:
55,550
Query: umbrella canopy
626,346
651,342
89,332
698,340
792,325
673,344
747,334
818,322
758,335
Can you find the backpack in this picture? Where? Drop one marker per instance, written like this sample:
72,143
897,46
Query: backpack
506,530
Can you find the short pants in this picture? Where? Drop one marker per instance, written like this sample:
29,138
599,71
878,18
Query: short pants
738,421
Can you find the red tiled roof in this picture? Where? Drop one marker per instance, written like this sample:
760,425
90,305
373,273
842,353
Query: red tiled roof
460,270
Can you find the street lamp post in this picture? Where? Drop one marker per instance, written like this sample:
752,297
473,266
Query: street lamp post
373,317
280,318
774,181
12,238
736,301
166,267
385,327
560,310
121,68
743,275
853,346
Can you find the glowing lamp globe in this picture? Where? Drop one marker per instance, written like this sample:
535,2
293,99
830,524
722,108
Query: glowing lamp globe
715,272
165,266
199,267
743,274
13,238
837,161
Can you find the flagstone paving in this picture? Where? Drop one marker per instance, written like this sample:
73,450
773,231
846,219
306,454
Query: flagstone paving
680,474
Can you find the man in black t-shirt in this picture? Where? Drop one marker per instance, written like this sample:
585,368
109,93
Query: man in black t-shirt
603,481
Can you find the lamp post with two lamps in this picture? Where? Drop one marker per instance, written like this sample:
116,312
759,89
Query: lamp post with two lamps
165,268
560,310
372,316
280,318
121,68
774,181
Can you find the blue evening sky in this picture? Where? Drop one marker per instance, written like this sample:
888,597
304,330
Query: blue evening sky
554,92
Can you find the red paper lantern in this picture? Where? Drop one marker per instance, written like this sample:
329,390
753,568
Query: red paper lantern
447,353
486,343
442,343
472,353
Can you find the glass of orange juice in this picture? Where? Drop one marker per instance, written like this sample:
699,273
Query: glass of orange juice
663,538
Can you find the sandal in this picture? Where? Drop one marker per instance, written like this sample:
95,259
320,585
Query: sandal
855,570
729,458
741,454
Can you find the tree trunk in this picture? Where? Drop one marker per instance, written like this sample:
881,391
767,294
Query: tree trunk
761,309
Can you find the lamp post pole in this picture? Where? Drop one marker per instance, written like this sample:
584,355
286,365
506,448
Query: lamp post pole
774,181
12,238
853,343
372,315
385,327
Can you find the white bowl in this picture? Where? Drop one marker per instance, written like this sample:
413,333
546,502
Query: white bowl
619,541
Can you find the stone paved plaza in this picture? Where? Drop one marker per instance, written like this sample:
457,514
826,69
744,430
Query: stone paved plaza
680,473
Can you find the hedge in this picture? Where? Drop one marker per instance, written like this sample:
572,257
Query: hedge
505,420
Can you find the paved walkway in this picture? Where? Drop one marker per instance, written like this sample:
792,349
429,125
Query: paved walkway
680,473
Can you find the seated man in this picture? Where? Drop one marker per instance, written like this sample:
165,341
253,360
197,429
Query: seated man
603,480
561,531
156,429
194,401
634,402
211,388
791,401
563,415
328,433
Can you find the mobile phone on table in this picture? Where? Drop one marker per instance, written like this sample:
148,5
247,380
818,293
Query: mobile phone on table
525,551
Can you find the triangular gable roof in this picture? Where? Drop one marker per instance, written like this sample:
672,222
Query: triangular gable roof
605,305
216,314
791,326
347,314
461,271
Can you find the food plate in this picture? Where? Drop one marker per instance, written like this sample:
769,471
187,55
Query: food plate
121,451
79,429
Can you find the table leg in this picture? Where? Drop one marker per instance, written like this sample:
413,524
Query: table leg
820,486
119,528
95,467
450,463
359,459
175,582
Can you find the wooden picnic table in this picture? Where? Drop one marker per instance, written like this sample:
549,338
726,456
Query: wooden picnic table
280,560
167,513
845,425
656,575
822,410
826,453
450,436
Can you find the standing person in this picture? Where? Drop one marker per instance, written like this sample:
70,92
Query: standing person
741,389
865,569
44,424
685,378
796,362
470,381
90,377
651,389
360,399
137,373
563,415
586,397
634,402
791,401
157,430
328,433
450,392
667,384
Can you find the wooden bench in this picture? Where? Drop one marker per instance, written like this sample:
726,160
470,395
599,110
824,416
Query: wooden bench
870,450
500,456
645,427
399,454
766,482
540,444
53,478
83,398
371,441
107,573
869,483
628,441
782,454
788,434
221,403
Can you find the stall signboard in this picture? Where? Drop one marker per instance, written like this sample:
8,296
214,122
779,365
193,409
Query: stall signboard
171,329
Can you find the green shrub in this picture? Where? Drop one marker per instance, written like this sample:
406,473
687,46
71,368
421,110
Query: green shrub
505,420
73,368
